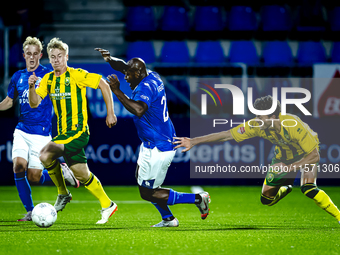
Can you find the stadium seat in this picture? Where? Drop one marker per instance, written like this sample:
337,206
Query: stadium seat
275,18
209,18
15,55
175,18
311,52
140,18
175,52
335,54
277,53
141,49
244,52
209,52
242,18
334,18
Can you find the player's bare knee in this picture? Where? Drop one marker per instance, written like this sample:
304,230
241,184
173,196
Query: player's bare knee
18,168
33,177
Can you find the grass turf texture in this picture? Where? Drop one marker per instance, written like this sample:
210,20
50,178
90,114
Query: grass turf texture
237,224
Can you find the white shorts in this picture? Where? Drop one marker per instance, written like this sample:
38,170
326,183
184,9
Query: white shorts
28,147
153,166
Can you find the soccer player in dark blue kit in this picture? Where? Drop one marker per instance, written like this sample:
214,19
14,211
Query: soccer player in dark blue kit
156,131
33,131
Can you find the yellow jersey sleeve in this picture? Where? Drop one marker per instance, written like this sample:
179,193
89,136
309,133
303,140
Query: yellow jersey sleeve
305,136
244,131
85,79
41,90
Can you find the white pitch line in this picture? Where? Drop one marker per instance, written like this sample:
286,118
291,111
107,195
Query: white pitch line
79,201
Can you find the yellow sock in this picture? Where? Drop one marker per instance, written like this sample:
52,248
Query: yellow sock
96,189
324,202
280,194
54,171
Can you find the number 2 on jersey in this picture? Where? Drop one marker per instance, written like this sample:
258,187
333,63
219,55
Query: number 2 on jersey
165,112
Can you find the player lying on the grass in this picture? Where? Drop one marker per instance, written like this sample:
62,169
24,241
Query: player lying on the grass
155,129
33,130
67,89
295,146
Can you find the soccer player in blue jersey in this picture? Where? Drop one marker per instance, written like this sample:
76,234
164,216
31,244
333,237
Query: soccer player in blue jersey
156,131
33,131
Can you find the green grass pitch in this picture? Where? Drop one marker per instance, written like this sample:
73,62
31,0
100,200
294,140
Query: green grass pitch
237,224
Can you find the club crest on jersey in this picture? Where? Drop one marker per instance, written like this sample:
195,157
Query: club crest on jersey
67,81
241,130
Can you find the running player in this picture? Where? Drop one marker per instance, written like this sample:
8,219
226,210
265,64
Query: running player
296,145
66,88
155,129
33,130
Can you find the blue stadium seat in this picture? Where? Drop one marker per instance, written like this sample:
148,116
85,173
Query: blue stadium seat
15,55
275,18
209,18
244,52
140,18
175,18
209,52
242,18
175,52
335,54
311,52
141,49
334,18
277,53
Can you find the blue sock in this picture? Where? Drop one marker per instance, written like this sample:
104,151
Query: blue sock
44,177
24,190
180,198
165,212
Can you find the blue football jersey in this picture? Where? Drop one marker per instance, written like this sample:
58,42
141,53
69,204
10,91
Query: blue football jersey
154,128
32,120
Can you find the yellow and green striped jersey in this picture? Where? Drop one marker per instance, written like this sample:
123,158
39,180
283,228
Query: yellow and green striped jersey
290,142
68,95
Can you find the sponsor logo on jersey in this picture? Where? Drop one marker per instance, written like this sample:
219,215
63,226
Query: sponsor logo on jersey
241,130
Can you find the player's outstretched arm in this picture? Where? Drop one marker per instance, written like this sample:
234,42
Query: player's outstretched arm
137,108
116,63
33,98
6,103
111,119
188,143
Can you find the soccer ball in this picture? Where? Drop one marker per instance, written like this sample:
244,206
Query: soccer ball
44,215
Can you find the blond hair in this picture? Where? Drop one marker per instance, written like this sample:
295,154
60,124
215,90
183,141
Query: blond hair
56,43
33,41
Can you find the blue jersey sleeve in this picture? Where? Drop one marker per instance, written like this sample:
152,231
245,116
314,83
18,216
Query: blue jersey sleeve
12,88
144,93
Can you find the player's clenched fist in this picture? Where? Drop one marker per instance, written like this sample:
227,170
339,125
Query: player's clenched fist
113,82
32,80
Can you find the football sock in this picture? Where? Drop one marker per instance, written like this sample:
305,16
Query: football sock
45,177
181,198
280,194
54,171
24,190
164,211
96,189
321,199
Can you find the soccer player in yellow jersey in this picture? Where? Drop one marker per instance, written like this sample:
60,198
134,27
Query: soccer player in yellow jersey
296,145
66,88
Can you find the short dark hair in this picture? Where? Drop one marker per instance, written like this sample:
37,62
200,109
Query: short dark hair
265,103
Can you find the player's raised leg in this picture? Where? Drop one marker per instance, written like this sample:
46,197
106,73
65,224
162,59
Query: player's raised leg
321,199
92,184
272,194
